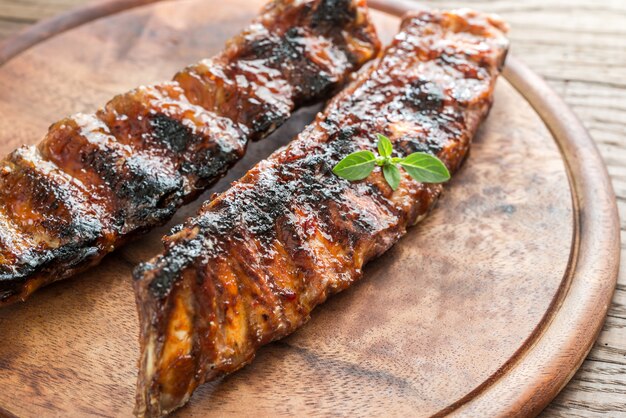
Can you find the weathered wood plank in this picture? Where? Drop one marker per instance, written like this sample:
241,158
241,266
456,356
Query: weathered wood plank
598,389
35,9
9,27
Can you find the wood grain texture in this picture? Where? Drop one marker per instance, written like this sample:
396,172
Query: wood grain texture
46,112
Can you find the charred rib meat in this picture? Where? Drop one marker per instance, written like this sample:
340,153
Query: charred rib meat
97,179
255,261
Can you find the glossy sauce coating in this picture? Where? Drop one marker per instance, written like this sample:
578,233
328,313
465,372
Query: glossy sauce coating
256,260
98,179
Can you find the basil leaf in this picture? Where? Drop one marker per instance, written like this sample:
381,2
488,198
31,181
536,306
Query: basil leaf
392,175
384,146
425,168
356,166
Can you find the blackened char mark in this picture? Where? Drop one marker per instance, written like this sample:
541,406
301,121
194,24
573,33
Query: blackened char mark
408,145
266,120
33,262
135,181
152,193
334,13
209,165
288,54
424,96
309,80
172,132
179,258
52,202
206,158
45,208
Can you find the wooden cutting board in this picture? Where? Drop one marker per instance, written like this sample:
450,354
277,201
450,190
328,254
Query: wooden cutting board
486,308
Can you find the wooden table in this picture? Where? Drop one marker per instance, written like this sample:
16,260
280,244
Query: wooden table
579,46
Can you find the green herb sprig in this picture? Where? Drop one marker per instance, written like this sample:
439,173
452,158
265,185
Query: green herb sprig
423,167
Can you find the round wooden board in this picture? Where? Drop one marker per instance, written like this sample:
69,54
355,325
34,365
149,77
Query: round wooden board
486,308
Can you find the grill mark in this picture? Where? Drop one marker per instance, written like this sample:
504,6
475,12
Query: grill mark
307,69
171,132
214,145
132,184
52,204
312,77
67,139
54,210
197,145
333,12
257,99
154,185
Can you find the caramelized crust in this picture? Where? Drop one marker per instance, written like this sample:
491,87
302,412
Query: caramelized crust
95,180
256,260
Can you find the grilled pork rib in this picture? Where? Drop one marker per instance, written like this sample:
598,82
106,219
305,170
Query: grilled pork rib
255,261
97,179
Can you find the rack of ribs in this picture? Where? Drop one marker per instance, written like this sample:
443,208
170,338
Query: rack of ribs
256,260
98,179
